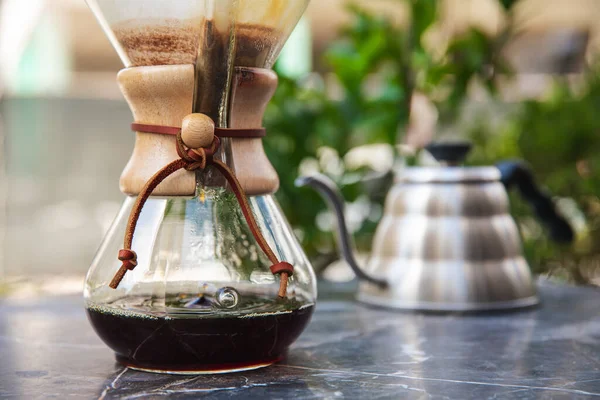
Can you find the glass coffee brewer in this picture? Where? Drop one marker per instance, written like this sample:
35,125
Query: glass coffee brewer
210,277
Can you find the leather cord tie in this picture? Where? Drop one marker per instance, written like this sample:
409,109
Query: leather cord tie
219,132
192,159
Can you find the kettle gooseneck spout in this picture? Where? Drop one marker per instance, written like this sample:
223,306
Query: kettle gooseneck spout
329,191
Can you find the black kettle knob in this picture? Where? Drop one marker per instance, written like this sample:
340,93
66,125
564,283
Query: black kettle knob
452,153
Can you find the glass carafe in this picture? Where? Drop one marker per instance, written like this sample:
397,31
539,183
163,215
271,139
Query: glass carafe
202,298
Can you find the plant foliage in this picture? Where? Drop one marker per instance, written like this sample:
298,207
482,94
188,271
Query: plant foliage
377,66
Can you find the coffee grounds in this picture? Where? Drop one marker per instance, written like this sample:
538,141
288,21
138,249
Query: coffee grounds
173,42
168,43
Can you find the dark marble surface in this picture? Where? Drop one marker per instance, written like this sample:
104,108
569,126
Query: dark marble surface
48,350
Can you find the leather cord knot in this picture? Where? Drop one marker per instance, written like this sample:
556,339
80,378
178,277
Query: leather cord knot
192,159
127,255
129,258
282,267
197,158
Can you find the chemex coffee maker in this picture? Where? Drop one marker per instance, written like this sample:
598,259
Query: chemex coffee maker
447,241
200,271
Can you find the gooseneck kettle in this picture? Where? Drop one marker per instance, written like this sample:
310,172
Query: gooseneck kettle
447,241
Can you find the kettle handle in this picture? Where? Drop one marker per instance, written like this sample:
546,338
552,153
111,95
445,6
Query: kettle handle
518,173
329,191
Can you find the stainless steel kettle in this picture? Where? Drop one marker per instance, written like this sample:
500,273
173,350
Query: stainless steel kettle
447,241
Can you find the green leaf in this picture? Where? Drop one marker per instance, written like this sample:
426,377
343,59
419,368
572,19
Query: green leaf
424,14
508,4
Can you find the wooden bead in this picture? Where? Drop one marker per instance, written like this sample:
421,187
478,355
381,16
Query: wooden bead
197,130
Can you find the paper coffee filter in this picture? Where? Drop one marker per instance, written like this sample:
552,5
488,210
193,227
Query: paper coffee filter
151,32
169,32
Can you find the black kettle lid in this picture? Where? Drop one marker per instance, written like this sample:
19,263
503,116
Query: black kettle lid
452,153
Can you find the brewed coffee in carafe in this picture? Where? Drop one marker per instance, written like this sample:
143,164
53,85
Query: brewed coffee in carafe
200,271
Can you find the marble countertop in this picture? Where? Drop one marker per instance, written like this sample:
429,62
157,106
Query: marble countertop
48,350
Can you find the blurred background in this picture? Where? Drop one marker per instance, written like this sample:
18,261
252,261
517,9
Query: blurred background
364,86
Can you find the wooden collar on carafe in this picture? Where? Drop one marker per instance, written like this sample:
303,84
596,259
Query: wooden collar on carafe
196,143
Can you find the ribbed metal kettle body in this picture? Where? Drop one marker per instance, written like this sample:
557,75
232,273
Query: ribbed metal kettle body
447,241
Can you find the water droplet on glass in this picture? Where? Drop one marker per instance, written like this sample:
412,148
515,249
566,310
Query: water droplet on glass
227,297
